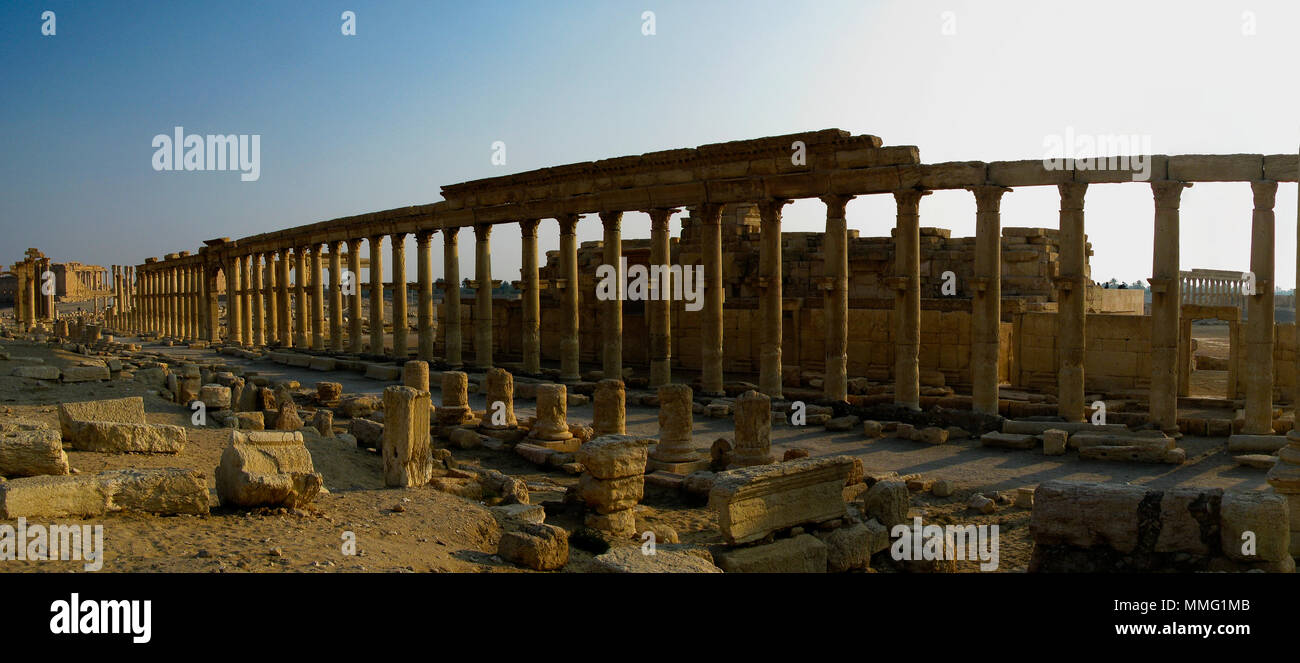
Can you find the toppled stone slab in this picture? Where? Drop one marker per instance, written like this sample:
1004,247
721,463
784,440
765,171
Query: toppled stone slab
801,554
515,514
118,410
1256,443
755,501
266,468
110,437
537,546
385,372
163,491
1021,427
1008,440
36,372
1153,440
86,373
1256,461
32,452
664,560
614,456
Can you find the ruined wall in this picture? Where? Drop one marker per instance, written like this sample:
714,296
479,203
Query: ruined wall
1118,353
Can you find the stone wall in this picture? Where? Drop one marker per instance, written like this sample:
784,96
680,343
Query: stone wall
1118,352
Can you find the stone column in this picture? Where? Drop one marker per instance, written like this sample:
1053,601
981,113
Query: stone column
532,303
676,449
569,371
611,323
907,299
399,297
259,307
1259,323
835,252
377,295
551,428
196,300
499,388
451,297
1072,288
317,278
659,307
710,229
282,300
986,298
609,408
336,298
483,296
246,300
753,413
424,310
356,316
1165,305
769,297
169,303
213,304
301,321
406,442
271,318
233,310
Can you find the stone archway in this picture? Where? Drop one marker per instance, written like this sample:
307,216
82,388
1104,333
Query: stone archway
1190,313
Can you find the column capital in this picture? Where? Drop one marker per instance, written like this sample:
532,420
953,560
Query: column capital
398,237
354,244
612,220
1072,194
1168,193
770,209
660,218
1265,193
376,239
988,197
709,213
422,237
909,200
835,204
482,231
449,234
528,227
568,223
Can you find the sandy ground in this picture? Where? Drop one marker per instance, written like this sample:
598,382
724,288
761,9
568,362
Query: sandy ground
433,531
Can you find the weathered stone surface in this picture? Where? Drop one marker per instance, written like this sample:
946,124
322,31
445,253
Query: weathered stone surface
268,468
288,419
932,435
801,554
323,422
415,374
872,429
383,372
619,523
614,456
465,438
609,408
847,548
845,423
1038,427
1256,461
163,491
215,396
753,442
1088,514
1263,514
359,406
250,421
664,560
509,515
110,437
1256,443
329,394
753,502
1125,453
609,495
1055,441
368,433
888,502
25,453
499,388
36,372
537,546
119,410
406,437
552,414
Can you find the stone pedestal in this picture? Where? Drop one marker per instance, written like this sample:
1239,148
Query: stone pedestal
676,449
406,444
415,374
500,391
455,399
551,429
753,444
609,408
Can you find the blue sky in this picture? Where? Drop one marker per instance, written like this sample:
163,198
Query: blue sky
352,124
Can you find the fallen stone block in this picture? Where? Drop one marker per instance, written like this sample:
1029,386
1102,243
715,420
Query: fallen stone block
368,433
406,443
614,456
1055,442
888,501
118,410
1125,453
266,468
533,453
845,423
515,514
1154,440
1256,443
847,548
1265,516
1038,427
664,560
537,546
384,372
164,491
1256,461
752,502
110,437
25,453
801,554
215,396
86,373
608,495
36,372
1008,440
359,406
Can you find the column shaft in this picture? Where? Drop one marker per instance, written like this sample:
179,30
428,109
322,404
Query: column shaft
611,323
569,371
1071,302
907,299
399,297
300,319
659,307
377,295
986,298
1259,323
1165,306
424,307
531,298
317,300
836,298
710,220
356,316
483,296
336,298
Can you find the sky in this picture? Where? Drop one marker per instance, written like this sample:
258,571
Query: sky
417,98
